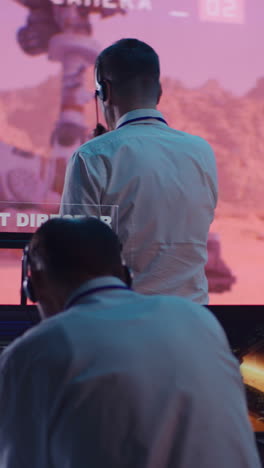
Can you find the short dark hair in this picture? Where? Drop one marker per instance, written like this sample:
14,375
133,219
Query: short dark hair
128,60
71,250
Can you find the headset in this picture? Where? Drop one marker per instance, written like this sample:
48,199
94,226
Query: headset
101,90
128,275
101,93
27,286
100,86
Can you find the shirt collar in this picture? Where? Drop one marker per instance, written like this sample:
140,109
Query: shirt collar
94,283
139,113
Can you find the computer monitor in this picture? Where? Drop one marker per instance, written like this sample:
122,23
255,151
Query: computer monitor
14,321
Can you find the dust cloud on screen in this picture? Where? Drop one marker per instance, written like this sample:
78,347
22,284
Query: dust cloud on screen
213,86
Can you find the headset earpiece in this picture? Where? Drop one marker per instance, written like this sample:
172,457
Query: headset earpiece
101,91
28,290
26,281
128,276
127,272
100,85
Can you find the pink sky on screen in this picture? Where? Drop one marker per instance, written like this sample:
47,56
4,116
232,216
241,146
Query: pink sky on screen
190,49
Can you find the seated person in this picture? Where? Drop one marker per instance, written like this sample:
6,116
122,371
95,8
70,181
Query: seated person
112,378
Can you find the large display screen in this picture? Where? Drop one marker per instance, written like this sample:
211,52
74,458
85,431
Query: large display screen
213,86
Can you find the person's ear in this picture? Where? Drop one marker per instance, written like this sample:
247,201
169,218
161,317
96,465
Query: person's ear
160,91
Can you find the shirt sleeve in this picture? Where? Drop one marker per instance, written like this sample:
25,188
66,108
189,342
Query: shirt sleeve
84,185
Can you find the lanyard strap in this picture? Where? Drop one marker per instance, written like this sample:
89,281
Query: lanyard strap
138,119
92,291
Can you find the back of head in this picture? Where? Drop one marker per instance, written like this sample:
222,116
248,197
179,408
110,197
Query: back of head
72,251
132,66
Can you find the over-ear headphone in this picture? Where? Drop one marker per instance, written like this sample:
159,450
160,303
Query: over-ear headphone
101,86
26,279
101,90
128,275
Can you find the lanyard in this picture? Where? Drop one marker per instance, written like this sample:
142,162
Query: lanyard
92,291
138,119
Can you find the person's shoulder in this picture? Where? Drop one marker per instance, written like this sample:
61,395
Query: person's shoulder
189,138
98,146
168,304
183,309
37,343
189,307
180,303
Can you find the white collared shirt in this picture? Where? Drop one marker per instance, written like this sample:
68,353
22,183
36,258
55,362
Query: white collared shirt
165,184
124,380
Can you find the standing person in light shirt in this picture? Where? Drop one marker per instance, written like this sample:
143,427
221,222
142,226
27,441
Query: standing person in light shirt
163,180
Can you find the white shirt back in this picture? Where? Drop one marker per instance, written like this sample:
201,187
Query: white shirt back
165,184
